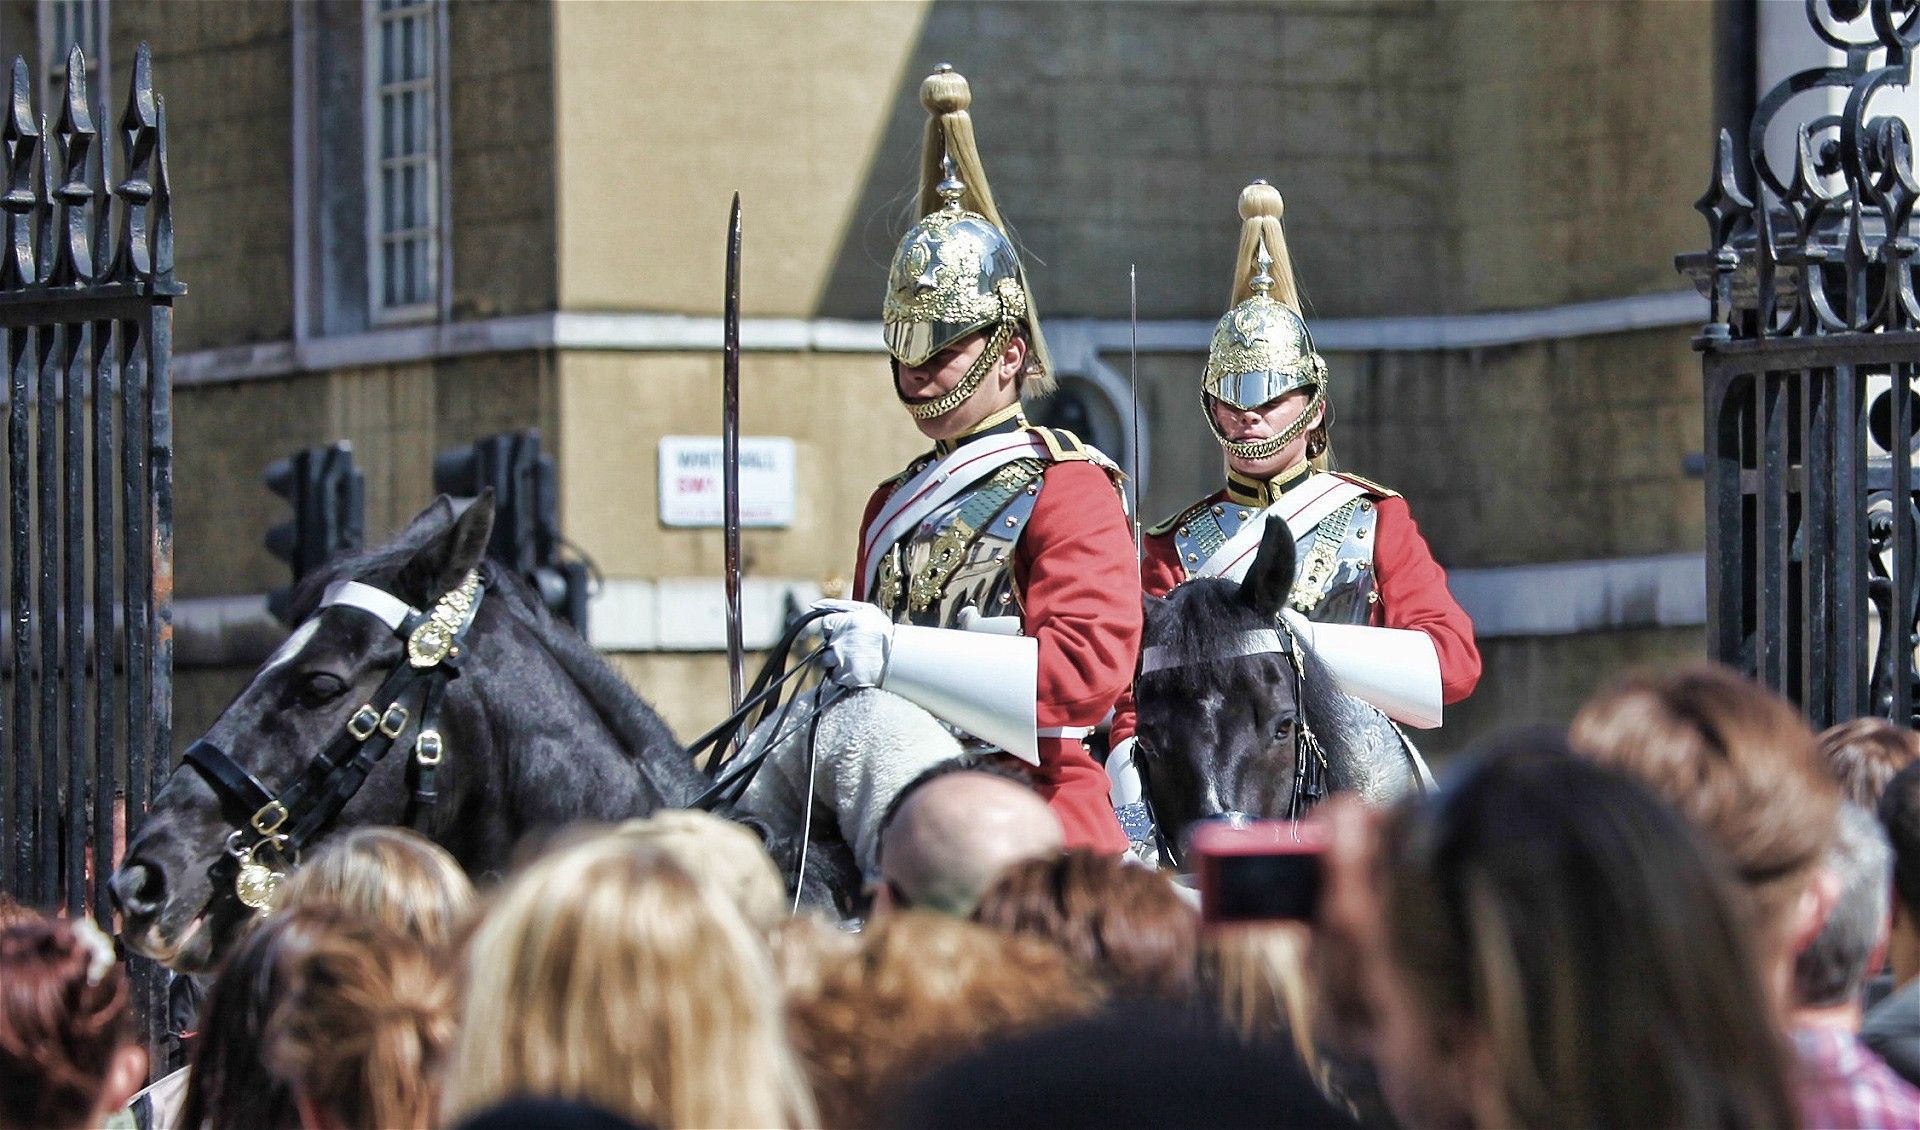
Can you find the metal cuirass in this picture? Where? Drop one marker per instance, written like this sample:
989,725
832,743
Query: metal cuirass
1333,579
961,555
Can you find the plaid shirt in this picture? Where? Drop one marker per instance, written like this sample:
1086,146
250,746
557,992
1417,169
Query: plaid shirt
1840,1085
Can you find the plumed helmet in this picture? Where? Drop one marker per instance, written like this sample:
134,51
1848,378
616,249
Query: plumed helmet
956,272
1261,348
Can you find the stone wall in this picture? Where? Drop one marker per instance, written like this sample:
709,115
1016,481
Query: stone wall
396,417
501,103
224,68
1580,136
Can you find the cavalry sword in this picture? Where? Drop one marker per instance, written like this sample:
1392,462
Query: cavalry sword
730,456
1133,385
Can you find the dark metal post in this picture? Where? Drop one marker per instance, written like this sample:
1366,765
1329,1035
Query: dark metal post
1810,272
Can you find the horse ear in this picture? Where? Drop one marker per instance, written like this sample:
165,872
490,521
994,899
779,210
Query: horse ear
450,552
1269,579
430,522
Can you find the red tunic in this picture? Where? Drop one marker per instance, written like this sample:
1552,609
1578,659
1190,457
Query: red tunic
1077,585
1413,594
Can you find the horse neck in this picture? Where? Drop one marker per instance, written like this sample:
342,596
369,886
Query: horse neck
590,739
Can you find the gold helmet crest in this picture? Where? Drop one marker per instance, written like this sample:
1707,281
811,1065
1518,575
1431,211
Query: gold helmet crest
1261,348
956,272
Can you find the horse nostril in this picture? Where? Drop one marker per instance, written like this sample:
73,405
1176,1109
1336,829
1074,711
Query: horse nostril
139,889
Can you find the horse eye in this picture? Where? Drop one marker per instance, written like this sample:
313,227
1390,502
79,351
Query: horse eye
1284,729
320,687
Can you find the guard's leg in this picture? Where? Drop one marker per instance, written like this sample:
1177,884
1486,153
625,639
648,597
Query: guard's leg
1077,789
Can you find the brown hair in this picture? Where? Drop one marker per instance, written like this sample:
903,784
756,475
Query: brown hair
1597,949
1864,754
365,1026
13,913
64,1010
229,1086
1124,922
1736,759
395,876
922,990
604,972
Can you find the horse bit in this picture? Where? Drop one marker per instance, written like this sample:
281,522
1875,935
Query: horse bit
433,655
1310,766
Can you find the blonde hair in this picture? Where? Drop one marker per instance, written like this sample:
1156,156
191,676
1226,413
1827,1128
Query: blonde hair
947,96
1258,974
721,854
364,1028
607,974
394,876
922,990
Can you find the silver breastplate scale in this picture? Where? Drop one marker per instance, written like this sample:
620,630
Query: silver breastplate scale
960,556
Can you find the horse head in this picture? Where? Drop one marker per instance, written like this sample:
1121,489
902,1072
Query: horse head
1229,700
535,730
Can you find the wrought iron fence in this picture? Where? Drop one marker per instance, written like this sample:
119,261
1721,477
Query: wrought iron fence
86,297
1811,355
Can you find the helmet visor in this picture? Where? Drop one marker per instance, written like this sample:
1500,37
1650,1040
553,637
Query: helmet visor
1251,390
914,343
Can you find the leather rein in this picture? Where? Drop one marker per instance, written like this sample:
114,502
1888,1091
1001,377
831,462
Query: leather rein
1310,767
281,826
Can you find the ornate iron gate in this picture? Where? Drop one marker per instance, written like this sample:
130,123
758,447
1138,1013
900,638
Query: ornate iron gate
86,306
1811,356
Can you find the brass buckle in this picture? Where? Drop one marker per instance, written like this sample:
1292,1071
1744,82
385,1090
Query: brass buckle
394,722
428,749
363,723
272,809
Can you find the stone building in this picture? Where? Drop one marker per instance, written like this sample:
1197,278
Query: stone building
409,223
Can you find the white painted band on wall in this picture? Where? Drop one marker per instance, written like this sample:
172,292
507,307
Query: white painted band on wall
1568,597
678,333
689,613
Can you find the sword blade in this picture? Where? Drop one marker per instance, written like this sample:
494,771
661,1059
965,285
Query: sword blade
730,457
1133,384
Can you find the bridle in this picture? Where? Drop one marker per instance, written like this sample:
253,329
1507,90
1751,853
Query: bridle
1309,756
408,699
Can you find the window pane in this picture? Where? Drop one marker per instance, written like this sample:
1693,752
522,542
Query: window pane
401,136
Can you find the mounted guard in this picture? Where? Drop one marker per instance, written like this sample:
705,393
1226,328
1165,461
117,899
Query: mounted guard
1367,596
995,573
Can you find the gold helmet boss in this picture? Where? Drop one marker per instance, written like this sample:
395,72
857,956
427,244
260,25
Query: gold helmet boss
1261,348
956,272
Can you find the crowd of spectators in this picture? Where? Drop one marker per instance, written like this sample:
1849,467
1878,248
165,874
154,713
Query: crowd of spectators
1686,909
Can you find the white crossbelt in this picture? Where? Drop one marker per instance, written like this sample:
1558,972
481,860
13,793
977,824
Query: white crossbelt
937,484
1301,509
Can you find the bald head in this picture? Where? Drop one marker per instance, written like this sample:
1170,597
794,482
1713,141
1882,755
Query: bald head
955,833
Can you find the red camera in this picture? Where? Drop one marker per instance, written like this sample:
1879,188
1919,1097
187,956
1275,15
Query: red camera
1269,870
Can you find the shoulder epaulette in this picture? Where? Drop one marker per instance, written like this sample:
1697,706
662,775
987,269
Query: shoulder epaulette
909,471
1062,445
1178,517
1372,487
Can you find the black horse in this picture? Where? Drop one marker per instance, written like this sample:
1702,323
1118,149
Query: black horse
1237,715
537,731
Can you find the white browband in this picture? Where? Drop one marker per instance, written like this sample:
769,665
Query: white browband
1260,641
382,606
